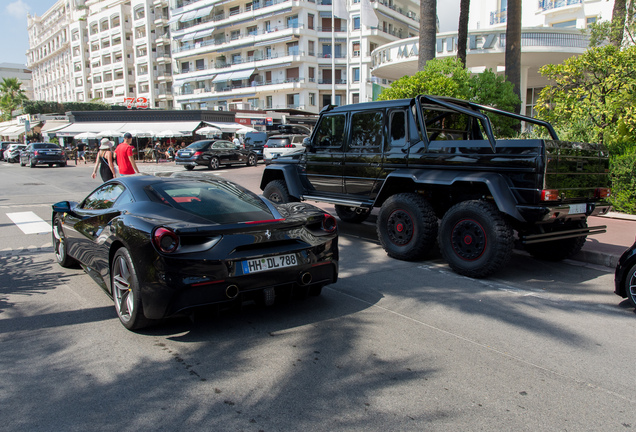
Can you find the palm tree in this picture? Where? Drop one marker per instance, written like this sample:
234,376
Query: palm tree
462,30
619,14
513,47
428,32
12,96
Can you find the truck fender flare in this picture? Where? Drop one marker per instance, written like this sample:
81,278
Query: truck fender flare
496,184
287,173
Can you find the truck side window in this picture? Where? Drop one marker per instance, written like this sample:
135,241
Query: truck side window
397,129
331,131
367,129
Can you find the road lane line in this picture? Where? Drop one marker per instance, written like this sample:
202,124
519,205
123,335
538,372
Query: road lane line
30,223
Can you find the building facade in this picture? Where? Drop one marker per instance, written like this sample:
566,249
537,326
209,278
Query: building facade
280,54
551,33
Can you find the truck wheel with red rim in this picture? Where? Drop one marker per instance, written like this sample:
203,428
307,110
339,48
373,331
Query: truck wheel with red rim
475,239
407,226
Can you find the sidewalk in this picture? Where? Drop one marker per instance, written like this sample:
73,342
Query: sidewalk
605,249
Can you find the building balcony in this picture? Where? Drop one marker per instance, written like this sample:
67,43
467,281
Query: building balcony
549,5
161,20
160,3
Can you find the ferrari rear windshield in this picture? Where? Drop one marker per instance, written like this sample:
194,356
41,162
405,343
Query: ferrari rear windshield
218,202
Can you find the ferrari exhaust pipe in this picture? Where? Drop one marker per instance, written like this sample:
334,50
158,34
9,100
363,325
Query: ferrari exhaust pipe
232,291
305,278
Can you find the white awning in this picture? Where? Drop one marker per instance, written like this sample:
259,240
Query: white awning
184,127
273,41
222,77
95,127
13,131
203,11
228,127
188,37
52,125
188,16
203,33
237,75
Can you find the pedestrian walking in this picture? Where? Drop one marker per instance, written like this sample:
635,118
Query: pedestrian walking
236,141
157,151
125,157
104,161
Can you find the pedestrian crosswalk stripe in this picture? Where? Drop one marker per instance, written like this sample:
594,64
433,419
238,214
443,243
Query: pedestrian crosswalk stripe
30,223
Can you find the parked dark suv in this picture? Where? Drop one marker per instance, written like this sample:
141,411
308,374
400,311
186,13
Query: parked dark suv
42,153
255,141
214,153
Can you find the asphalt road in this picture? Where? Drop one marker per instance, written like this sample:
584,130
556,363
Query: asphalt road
393,346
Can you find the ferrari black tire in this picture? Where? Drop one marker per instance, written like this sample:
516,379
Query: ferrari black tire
558,250
630,285
352,214
475,239
188,167
59,245
252,159
214,163
126,292
276,191
407,227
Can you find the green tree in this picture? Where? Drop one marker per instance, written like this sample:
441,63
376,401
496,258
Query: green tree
592,97
12,96
448,77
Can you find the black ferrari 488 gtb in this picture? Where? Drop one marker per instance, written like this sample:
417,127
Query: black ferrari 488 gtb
161,246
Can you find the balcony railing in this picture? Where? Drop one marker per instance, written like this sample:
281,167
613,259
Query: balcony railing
554,4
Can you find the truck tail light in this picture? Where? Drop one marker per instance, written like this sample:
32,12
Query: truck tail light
603,193
549,195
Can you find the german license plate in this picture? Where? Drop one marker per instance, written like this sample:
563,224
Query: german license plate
269,263
578,208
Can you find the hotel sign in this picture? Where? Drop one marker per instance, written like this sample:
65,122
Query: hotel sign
444,45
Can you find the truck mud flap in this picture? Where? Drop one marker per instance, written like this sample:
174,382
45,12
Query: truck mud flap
560,235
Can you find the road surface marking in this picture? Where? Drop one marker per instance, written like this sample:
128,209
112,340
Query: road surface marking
30,223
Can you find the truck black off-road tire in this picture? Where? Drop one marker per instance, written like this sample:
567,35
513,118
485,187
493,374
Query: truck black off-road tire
276,191
407,226
475,239
558,250
352,214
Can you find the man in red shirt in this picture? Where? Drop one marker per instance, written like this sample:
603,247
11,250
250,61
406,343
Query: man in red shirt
125,157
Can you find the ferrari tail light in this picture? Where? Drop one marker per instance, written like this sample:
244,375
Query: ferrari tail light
329,223
549,195
165,240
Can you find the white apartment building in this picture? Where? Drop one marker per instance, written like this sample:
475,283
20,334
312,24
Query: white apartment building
551,32
116,51
280,54
49,56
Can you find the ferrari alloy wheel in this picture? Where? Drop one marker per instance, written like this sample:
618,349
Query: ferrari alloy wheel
59,244
125,286
214,163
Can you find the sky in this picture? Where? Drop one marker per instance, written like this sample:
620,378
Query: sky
13,21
